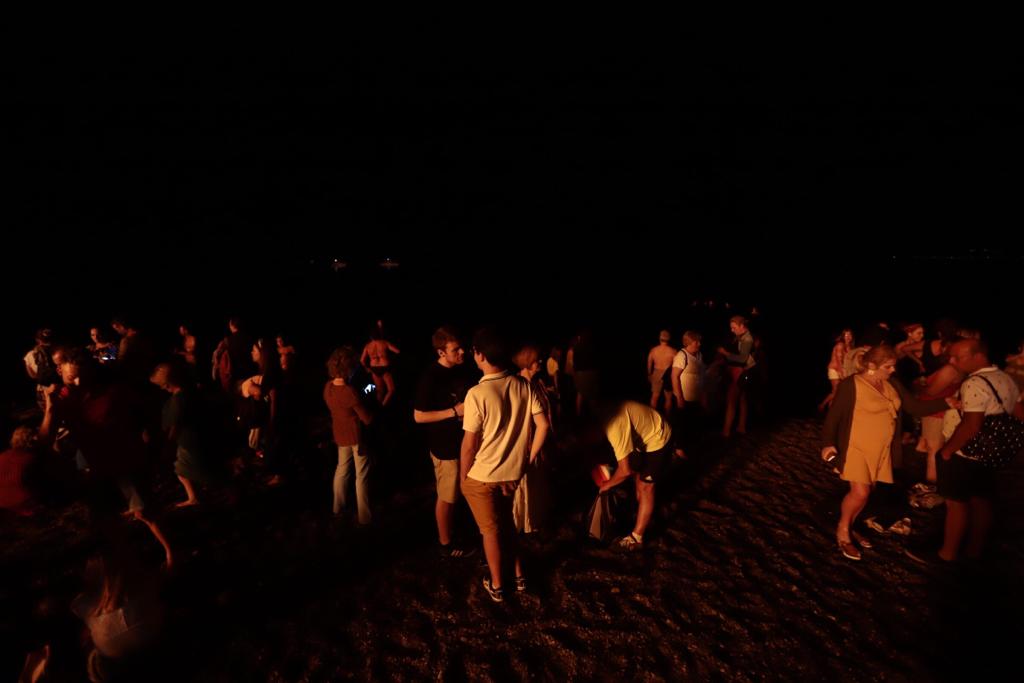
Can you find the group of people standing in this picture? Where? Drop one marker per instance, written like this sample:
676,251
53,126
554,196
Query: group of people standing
956,388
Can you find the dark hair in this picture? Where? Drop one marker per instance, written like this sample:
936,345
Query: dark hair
76,356
270,360
102,333
945,328
87,366
489,343
442,336
177,375
341,363
23,437
978,346
125,321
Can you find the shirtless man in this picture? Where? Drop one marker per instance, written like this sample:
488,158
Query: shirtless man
659,361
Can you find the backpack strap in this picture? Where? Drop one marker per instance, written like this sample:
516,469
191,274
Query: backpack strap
990,386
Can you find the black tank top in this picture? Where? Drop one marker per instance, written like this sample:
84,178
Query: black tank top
930,360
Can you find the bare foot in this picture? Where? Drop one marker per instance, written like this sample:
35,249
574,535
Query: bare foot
187,503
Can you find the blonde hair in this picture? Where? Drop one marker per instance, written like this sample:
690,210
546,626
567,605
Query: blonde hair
877,355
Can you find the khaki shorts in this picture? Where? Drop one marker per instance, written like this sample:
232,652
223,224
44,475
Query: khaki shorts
446,474
491,503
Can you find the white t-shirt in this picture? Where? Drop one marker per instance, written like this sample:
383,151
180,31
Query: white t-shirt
977,397
692,377
501,408
30,364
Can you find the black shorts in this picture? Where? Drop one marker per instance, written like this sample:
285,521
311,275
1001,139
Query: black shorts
651,466
961,479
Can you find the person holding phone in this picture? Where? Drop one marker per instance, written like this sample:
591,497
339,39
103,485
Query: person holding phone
861,435
348,418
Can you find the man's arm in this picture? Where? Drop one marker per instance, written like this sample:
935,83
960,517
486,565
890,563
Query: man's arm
677,387
46,431
30,367
942,380
428,416
622,472
746,347
965,431
470,445
542,426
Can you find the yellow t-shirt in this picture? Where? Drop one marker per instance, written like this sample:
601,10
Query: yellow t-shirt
637,427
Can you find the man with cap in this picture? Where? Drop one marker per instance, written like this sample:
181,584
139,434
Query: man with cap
39,364
659,363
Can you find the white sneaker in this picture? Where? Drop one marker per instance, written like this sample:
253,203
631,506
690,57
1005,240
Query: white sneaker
629,543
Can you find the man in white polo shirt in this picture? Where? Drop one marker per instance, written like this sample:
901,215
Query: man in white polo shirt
505,428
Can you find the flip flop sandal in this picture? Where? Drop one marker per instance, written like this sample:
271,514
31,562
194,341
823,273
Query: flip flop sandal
861,540
902,527
849,550
873,524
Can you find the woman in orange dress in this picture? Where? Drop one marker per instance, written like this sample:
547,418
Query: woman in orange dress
861,434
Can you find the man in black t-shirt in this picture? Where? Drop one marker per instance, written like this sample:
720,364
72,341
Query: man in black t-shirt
438,407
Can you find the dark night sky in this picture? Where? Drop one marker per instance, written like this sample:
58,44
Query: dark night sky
394,156
696,176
